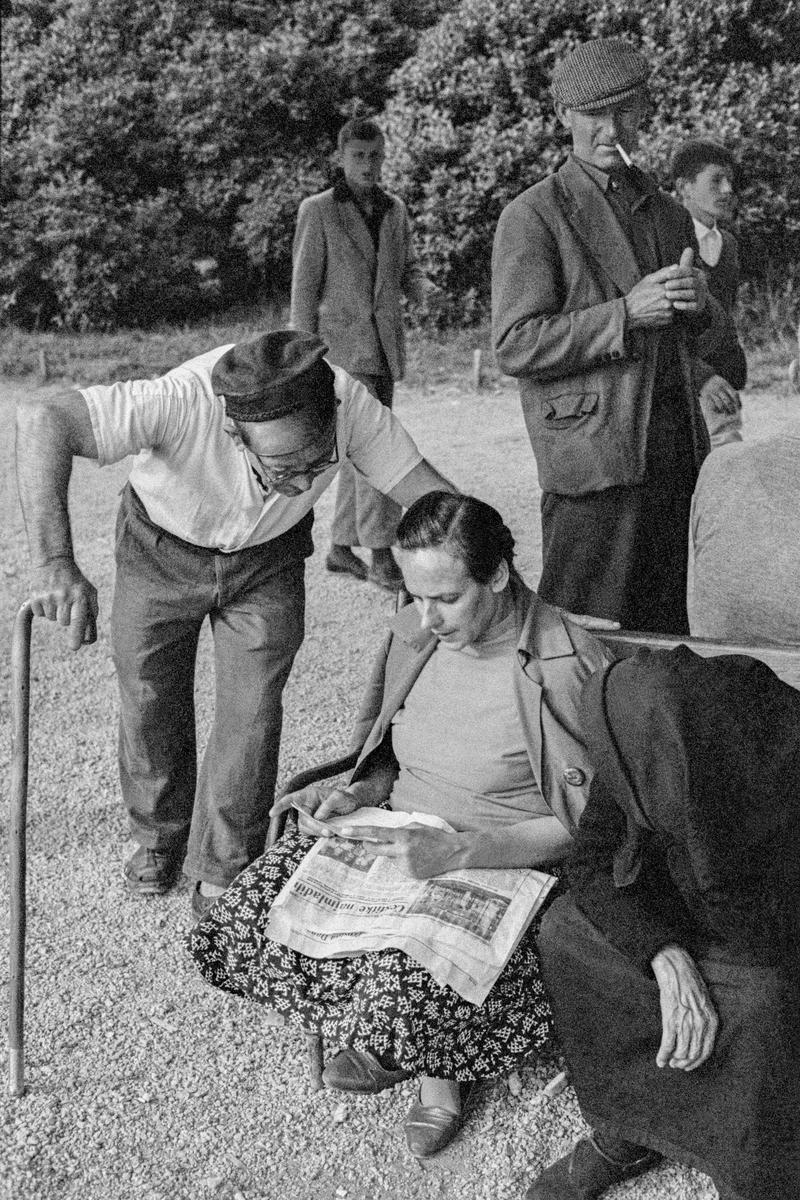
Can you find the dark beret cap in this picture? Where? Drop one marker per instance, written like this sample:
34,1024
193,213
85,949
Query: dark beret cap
598,73
273,375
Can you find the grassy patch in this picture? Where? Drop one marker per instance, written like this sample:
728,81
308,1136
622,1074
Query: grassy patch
128,353
434,358
85,358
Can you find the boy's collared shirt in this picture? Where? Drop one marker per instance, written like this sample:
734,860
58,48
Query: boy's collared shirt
710,242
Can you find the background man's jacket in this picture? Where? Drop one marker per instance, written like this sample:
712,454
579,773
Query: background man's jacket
562,266
344,291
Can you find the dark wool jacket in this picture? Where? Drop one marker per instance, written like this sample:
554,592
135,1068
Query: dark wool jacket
561,269
692,830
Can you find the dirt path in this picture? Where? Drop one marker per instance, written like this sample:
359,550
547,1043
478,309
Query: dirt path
142,1082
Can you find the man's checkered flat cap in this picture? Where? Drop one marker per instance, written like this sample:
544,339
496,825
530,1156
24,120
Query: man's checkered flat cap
598,73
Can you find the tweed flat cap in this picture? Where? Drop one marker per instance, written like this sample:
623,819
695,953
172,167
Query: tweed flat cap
273,375
599,73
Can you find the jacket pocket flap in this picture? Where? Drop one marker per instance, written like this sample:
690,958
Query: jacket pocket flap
569,405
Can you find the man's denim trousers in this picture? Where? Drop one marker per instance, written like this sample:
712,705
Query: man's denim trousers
255,600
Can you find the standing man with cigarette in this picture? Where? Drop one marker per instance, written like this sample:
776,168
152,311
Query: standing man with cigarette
596,306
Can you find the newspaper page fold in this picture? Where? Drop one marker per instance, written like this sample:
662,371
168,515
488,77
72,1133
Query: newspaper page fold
462,926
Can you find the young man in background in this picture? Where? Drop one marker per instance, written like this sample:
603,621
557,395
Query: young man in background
352,262
704,176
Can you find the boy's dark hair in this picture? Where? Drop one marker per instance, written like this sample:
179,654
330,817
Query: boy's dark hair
696,153
358,129
466,527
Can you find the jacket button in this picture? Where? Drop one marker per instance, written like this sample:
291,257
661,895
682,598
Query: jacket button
574,776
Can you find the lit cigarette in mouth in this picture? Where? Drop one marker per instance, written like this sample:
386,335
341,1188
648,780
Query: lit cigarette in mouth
625,157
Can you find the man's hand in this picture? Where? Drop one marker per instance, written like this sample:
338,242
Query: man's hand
719,395
61,592
420,851
689,290
689,1022
654,300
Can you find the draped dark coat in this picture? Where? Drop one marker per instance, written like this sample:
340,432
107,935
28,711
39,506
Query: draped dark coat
691,837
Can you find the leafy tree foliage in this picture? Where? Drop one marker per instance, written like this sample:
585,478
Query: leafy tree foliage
142,135
95,229
471,122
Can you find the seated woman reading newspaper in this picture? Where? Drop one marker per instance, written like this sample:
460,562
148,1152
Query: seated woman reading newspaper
674,961
471,717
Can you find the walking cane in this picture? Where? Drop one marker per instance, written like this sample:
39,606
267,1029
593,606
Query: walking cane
20,713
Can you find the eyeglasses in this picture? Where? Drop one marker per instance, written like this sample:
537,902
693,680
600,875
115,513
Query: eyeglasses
318,466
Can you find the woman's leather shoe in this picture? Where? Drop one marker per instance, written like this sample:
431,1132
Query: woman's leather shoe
429,1128
360,1071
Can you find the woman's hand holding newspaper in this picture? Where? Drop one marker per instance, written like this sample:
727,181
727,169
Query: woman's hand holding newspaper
419,851
316,802
312,812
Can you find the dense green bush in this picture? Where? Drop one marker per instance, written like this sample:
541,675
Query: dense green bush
94,231
142,135
472,124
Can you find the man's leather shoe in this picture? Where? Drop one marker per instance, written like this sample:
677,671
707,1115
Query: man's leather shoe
342,561
586,1172
384,571
359,1071
153,872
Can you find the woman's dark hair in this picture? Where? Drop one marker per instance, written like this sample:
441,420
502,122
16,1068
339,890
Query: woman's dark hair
466,527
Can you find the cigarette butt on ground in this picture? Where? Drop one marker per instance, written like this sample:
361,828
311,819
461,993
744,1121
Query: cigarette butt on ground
556,1085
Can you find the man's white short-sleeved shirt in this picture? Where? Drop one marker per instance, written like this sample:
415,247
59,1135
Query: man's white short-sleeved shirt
194,481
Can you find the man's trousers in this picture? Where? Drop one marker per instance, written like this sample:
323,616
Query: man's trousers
622,554
364,516
254,599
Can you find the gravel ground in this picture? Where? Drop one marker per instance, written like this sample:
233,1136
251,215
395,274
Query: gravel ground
141,1081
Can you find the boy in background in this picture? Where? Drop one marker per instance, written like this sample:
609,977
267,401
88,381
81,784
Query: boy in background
704,177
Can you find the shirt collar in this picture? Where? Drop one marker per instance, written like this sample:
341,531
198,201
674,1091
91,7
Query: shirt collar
343,193
709,239
701,229
601,178
638,184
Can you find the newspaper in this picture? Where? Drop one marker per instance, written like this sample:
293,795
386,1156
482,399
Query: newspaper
462,926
